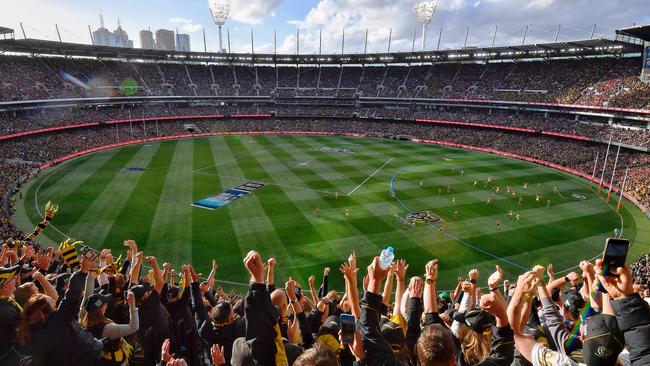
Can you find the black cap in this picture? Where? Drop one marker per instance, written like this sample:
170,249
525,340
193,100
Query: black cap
393,334
603,340
173,292
62,280
95,301
573,302
330,326
139,291
476,319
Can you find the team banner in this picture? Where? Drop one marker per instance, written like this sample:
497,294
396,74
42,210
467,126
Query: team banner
228,196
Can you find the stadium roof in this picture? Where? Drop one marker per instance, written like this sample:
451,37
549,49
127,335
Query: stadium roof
640,32
579,48
5,30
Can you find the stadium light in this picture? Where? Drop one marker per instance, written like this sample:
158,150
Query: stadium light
219,10
424,13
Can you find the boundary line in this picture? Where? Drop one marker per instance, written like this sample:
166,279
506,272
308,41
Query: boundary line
370,176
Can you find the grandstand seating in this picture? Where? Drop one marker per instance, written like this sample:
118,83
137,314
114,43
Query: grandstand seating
599,81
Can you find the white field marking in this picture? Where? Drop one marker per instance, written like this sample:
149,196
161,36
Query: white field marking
370,176
268,184
235,158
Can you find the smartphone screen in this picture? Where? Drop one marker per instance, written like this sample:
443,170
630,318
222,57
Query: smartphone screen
615,254
348,327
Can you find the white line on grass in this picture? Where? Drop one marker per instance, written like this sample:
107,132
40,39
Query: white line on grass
235,158
370,176
269,184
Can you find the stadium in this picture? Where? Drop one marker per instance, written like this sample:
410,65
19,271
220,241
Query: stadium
136,181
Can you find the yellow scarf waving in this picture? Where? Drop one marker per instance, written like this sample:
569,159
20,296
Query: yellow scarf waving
50,211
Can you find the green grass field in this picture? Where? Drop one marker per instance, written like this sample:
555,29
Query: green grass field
103,205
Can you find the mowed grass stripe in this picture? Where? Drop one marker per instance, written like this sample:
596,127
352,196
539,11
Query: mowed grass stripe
379,226
252,227
331,225
171,227
214,227
94,224
84,188
375,231
135,217
291,226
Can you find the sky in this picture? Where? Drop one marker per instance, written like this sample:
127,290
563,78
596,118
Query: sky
331,17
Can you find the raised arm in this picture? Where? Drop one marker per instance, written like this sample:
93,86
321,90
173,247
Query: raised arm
458,290
135,269
114,331
591,285
525,285
259,314
554,320
158,277
388,286
303,324
312,290
571,278
400,273
378,351
324,287
199,310
213,272
430,296
69,306
270,271
349,270
413,328
48,288
89,289
502,345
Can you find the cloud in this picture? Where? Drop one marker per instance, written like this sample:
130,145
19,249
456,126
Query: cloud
180,20
454,16
186,25
253,11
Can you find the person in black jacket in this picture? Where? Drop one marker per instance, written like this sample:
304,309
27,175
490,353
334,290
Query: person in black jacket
51,335
632,312
378,351
222,328
262,344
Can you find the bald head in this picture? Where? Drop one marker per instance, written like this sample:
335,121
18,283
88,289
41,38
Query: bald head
279,298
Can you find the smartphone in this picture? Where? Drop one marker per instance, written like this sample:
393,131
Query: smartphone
615,255
348,327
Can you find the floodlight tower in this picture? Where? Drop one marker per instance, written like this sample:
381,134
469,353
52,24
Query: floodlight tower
219,10
424,12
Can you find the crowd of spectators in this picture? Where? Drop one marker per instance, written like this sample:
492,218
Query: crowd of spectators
28,120
641,270
595,81
76,306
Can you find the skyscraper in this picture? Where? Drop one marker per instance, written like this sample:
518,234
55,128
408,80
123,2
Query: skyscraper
104,37
165,40
183,42
146,39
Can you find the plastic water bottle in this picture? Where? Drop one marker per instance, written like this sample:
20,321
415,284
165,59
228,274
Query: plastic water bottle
386,257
